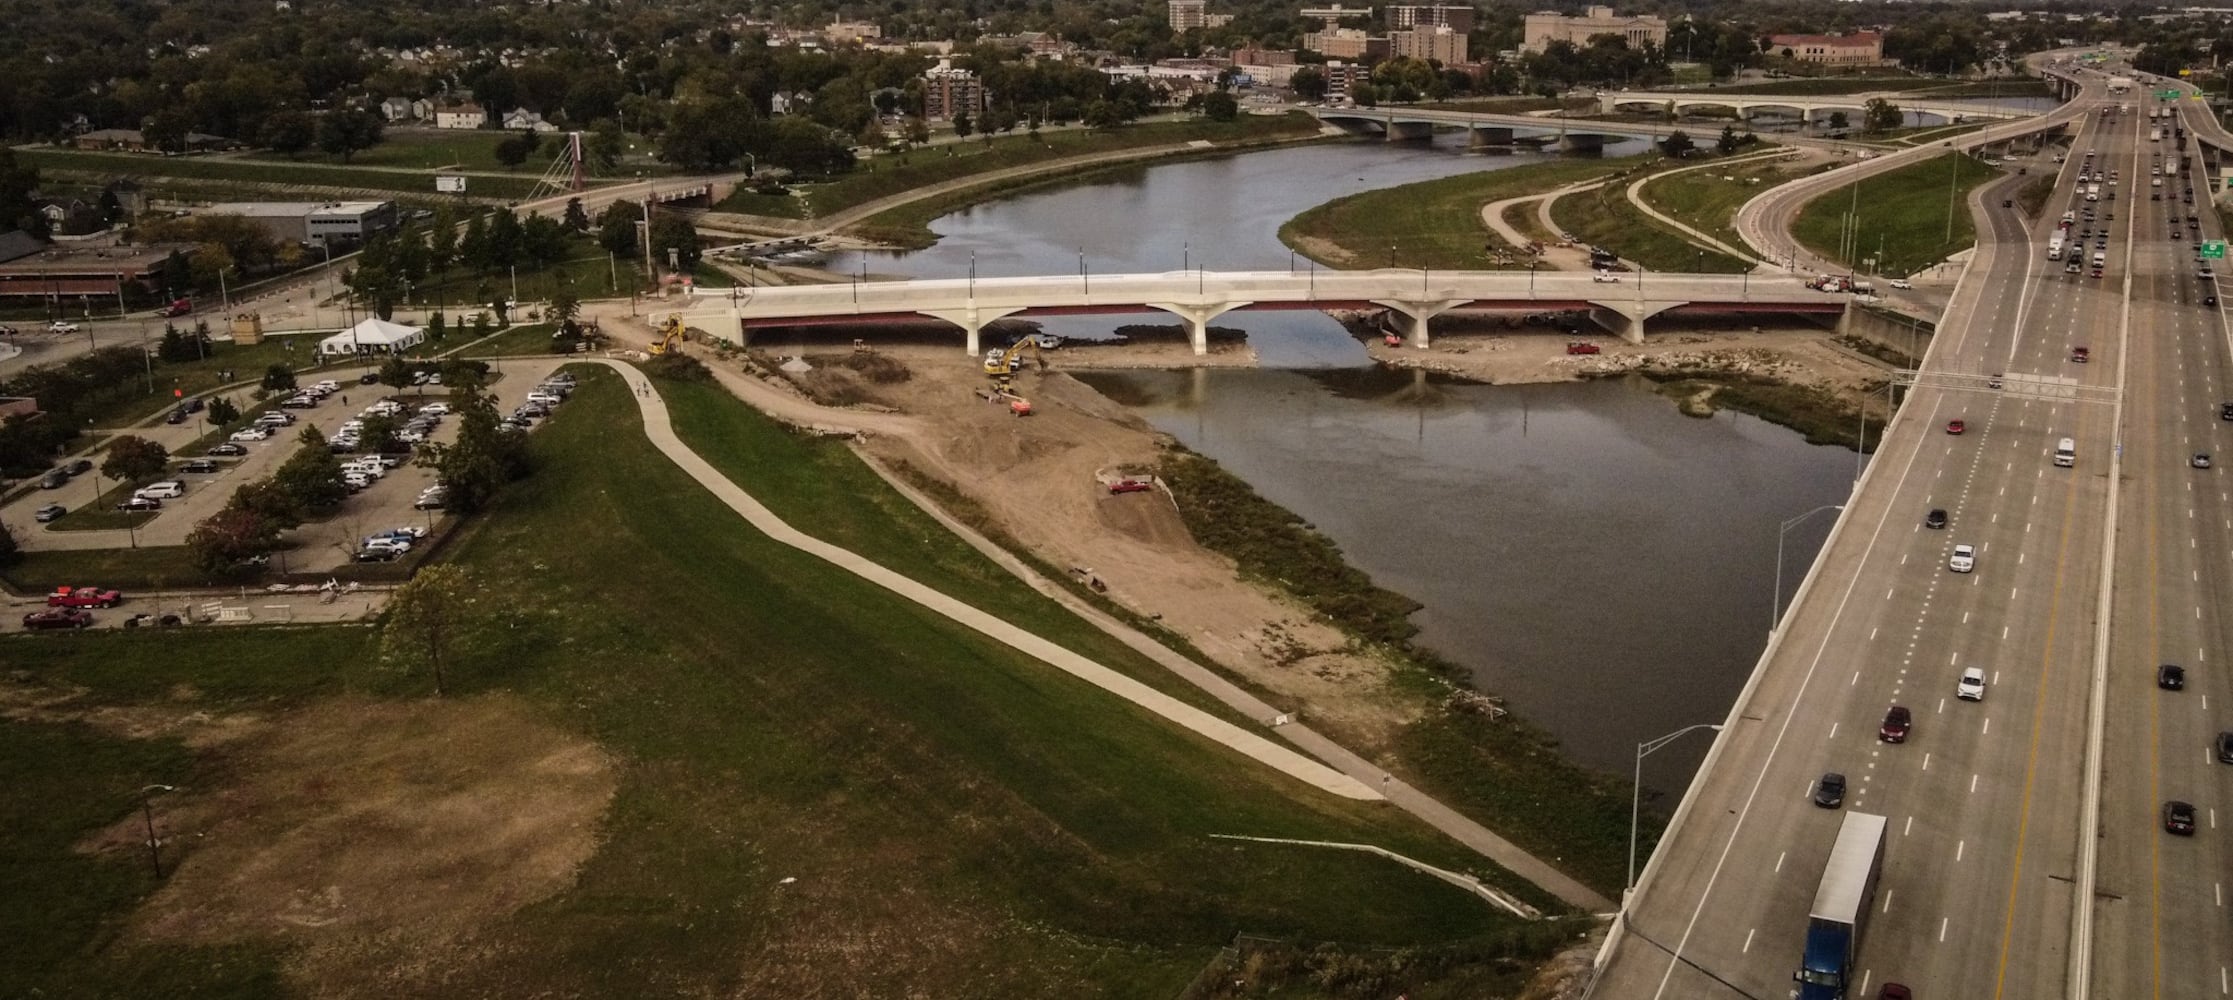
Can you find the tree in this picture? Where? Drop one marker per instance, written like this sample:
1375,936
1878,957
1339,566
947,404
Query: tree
378,434
565,307
347,131
437,328
268,500
223,411
1839,122
962,125
134,459
10,551
607,143
167,129
577,217
1308,83
441,239
1219,106
674,238
1677,144
542,240
312,475
426,620
279,378
395,372
230,538
17,184
288,133
515,149
1880,115
1728,143
616,228
472,248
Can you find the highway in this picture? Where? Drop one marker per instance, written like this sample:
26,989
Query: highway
2160,921
1986,800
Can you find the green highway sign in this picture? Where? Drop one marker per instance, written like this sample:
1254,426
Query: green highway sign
2167,95
2214,249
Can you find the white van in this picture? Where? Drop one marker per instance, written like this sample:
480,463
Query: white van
2066,453
2100,259
169,489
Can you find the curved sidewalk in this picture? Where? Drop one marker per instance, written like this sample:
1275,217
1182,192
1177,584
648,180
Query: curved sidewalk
1351,777
1698,237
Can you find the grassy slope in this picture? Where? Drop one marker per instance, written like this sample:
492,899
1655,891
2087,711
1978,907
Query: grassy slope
775,719
1704,199
1605,217
260,172
1436,223
1904,212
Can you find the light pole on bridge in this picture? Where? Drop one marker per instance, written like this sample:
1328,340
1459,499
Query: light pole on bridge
1636,798
1775,600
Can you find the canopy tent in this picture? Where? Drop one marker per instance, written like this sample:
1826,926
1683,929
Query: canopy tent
373,336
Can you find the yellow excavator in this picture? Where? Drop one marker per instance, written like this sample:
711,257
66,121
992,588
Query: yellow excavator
1002,364
670,336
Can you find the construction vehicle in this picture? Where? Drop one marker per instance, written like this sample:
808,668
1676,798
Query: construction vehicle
1003,363
670,336
1000,393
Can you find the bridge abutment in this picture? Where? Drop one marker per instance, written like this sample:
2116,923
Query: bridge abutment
1410,131
1581,142
1493,136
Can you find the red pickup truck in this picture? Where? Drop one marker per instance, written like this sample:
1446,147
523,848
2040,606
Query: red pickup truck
83,597
179,307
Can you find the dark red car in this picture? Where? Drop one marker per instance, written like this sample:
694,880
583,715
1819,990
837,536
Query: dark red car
58,618
2080,355
179,307
1897,721
1131,486
1956,427
1580,347
83,597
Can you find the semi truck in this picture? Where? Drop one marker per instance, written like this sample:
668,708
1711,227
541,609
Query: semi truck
1841,909
2054,247
2120,84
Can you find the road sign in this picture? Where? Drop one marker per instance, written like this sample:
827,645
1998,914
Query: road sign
2214,249
449,183
2167,95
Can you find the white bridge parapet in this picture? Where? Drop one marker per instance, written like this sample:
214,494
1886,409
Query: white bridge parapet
1198,297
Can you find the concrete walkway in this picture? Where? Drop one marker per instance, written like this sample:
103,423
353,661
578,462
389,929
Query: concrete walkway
1492,215
660,428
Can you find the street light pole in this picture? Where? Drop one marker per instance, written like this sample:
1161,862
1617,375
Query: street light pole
147,814
1775,599
1636,798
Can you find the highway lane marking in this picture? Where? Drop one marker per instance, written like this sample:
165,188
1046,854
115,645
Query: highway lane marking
1926,767
1960,847
1779,861
1973,784
1942,929
1748,939
1988,726
1834,726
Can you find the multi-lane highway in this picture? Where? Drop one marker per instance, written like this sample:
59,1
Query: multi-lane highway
1992,833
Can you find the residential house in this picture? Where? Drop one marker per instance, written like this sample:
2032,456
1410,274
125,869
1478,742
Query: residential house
71,216
396,109
523,120
462,115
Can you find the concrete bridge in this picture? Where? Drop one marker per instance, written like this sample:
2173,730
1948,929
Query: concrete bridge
1488,129
1806,107
1198,297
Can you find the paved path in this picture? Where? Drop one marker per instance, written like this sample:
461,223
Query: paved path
1697,237
659,427
1492,214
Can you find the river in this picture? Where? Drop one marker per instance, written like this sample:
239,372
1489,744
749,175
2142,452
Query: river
1591,555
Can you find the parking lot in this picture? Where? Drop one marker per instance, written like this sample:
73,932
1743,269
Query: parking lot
324,544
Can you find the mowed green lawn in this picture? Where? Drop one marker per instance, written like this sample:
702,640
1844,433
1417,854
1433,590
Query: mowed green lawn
966,821
1902,214
1433,223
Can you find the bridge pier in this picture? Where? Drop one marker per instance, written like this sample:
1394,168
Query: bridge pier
1499,136
1410,131
1418,312
1581,142
972,321
1197,316
1618,322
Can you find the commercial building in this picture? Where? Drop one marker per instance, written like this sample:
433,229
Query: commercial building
1331,16
1346,43
1544,27
850,32
1188,14
949,90
1437,43
318,223
1402,17
1862,48
1341,77
87,273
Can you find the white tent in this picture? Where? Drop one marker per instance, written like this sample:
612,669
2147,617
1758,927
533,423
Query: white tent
373,336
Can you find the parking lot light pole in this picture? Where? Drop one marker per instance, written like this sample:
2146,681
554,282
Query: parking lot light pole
1775,601
1636,798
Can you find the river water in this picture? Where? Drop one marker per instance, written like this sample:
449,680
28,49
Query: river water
1599,560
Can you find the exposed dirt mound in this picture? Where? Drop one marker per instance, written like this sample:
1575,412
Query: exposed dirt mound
1146,517
378,837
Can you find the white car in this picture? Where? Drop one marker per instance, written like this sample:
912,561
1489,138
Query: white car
1603,277
62,326
1963,560
434,409
1902,284
1972,685
251,434
169,489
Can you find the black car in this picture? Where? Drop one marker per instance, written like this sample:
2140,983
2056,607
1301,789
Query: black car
2178,818
198,466
1937,517
368,378
2170,677
1829,793
378,554
81,466
193,406
175,417
140,503
2225,748
2209,300
226,448
55,479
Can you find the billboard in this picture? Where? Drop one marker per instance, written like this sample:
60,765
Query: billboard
449,183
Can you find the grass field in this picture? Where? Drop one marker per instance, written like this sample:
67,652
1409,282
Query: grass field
1605,217
822,789
527,338
882,176
1433,223
262,172
1709,199
1903,217
587,277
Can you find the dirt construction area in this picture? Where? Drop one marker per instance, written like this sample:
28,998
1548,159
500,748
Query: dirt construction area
1044,479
